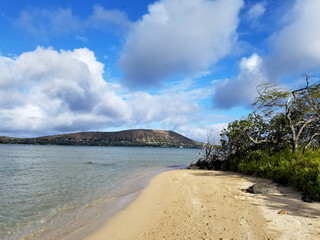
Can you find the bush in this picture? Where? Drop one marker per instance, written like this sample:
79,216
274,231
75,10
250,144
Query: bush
301,171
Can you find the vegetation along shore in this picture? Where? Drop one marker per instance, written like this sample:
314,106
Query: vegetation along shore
279,140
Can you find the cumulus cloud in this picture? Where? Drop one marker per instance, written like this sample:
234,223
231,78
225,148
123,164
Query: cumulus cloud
242,89
170,109
296,47
49,91
178,37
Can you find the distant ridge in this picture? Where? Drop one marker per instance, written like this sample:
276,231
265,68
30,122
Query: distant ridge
135,137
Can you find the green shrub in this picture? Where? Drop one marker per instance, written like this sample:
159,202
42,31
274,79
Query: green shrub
301,171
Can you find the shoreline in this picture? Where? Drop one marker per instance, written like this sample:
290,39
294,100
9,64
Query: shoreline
118,202
65,193
197,204
90,219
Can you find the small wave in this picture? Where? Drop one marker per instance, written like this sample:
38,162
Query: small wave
66,207
176,166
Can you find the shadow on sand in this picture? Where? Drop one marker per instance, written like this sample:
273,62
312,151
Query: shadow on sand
290,201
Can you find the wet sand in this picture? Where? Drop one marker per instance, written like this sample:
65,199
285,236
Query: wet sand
195,204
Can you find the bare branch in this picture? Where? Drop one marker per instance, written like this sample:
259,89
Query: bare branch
310,141
305,124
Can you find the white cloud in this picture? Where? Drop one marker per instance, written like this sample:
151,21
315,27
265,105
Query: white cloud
169,109
179,37
47,91
256,11
43,23
106,19
202,132
82,38
50,91
296,48
242,89
176,108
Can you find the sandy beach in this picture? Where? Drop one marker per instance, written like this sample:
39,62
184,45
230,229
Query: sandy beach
195,204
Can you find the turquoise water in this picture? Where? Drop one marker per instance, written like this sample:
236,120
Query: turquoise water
48,191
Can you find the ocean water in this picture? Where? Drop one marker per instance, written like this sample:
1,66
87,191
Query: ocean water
46,192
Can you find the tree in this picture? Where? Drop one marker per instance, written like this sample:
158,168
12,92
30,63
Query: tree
268,127
303,113
301,108
281,119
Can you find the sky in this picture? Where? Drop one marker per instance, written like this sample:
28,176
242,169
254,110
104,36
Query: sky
191,66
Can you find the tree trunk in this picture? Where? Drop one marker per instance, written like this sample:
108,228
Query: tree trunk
294,145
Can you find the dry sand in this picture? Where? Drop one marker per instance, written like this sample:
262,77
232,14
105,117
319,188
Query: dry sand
195,204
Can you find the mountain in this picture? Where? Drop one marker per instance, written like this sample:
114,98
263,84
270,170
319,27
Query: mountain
136,137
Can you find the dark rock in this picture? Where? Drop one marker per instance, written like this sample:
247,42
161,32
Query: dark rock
306,198
262,188
193,167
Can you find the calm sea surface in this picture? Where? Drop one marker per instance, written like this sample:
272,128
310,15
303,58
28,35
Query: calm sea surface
51,190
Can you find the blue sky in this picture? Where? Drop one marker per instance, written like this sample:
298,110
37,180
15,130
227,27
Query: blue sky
190,66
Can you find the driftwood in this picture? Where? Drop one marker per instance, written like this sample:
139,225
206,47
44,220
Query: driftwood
208,157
